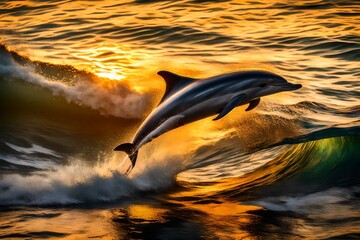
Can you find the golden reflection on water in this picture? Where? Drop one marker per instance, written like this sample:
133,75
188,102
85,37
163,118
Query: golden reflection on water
233,217
213,218
74,224
230,216
148,213
115,40
119,42
110,60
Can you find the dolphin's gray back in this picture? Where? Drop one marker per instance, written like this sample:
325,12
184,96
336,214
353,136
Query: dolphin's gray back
202,98
203,90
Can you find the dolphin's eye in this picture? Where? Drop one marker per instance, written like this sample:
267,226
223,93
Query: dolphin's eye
263,85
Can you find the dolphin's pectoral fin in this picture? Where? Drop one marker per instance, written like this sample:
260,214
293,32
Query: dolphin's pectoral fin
174,83
253,104
231,105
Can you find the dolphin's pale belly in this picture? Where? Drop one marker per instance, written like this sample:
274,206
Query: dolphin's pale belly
193,113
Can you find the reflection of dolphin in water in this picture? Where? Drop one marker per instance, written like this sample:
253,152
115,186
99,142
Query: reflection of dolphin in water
187,100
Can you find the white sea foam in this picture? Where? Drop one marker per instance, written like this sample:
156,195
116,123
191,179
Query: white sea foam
79,183
325,203
33,149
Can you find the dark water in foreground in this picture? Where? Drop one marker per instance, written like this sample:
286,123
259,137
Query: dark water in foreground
78,78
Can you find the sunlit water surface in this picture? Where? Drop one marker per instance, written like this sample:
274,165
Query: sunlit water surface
78,78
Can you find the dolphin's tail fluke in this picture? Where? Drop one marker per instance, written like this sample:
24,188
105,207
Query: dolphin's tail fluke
129,148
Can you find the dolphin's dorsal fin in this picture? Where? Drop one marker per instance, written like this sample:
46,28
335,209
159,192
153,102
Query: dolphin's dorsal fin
253,104
231,105
174,83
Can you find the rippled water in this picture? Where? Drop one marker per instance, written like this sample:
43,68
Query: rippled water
78,77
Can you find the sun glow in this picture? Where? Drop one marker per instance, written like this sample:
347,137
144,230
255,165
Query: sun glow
110,75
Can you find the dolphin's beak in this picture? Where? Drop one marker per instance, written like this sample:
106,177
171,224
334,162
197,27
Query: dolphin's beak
290,87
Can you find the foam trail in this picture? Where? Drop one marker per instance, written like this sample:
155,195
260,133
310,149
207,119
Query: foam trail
325,202
33,149
80,184
114,98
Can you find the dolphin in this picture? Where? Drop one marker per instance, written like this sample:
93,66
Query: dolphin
187,100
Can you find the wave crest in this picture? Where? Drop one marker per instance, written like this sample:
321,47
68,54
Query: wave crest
108,97
80,183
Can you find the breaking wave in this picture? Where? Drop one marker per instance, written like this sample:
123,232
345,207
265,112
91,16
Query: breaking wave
85,89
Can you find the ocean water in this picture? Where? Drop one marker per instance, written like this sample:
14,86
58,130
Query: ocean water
77,78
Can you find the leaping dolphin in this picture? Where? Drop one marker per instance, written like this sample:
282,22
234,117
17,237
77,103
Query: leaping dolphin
187,100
